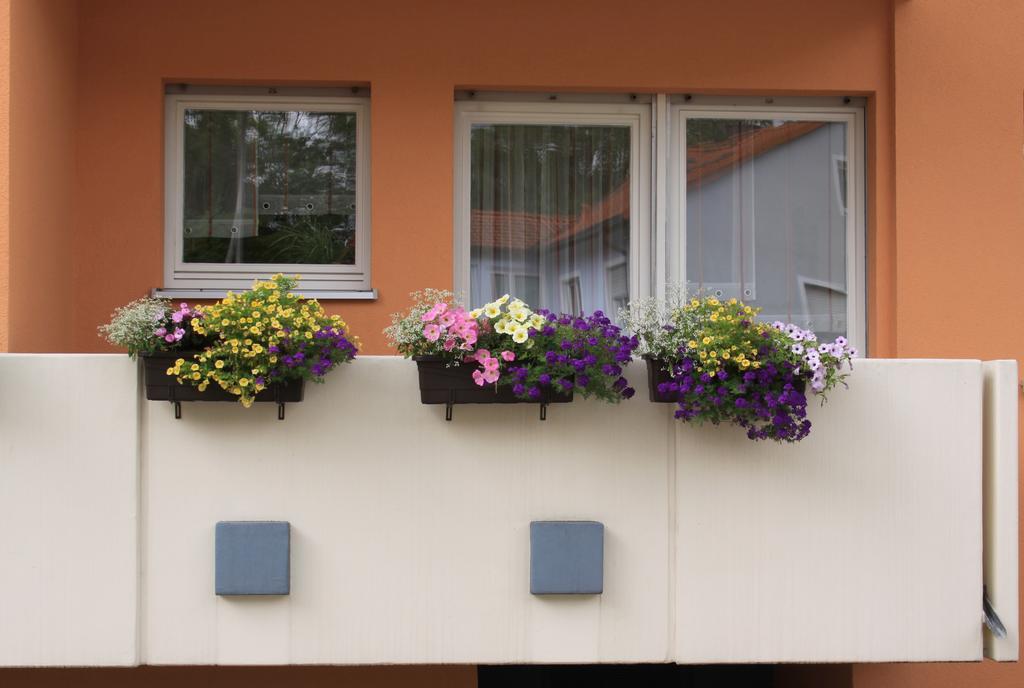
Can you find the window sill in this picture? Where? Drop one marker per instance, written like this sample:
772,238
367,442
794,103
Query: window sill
319,294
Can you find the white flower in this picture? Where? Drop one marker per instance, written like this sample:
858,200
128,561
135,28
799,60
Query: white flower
503,300
501,326
796,335
810,336
797,348
840,341
779,325
492,310
476,313
520,335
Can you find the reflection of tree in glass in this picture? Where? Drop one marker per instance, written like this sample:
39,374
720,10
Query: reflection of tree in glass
545,169
259,184
701,132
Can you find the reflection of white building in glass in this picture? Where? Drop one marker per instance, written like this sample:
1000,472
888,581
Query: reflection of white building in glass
766,222
564,263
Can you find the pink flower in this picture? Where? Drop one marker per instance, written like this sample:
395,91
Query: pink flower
169,338
478,377
160,331
432,332
482,354
490,364
176,316
508,355
429,315
449,343
178,333
491,376
447,319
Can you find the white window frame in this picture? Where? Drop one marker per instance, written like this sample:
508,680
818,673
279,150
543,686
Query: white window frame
213,279
635,116
791,110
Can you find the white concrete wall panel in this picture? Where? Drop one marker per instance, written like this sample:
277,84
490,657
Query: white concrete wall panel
68,506
410,535
1001,515
862,543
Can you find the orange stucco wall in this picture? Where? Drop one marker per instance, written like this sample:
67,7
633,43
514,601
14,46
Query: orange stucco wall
413,55
43,126
959,100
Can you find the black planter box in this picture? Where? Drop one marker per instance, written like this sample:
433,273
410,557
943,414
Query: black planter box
657,373
163,387
450,385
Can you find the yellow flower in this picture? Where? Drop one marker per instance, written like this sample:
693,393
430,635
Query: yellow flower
244,382
196,376
745,363
218,364
714,317
170,371
492,310
713,354
706,340
194,366
692,344
725,355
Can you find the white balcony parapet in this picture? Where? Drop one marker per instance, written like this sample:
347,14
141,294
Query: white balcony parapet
410,535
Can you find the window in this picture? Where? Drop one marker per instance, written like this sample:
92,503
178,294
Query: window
746,197
551,191
267,182
760,207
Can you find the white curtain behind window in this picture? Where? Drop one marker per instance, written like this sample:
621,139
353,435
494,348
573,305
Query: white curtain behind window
549,215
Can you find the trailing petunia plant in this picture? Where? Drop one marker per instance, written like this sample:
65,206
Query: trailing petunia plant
509,344
726,367
243,343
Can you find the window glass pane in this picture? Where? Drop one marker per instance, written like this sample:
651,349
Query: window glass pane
766,217
269,187
549,214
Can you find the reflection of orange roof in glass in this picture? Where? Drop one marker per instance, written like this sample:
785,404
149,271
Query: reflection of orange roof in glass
523,230
705,162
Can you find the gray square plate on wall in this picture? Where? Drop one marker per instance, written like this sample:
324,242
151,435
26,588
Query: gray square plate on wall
566,558
253,558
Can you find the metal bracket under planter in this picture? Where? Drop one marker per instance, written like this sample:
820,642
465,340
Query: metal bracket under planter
160,386
450,385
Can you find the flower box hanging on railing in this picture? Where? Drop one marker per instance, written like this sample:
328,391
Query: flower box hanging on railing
506,353
259,345
719,365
